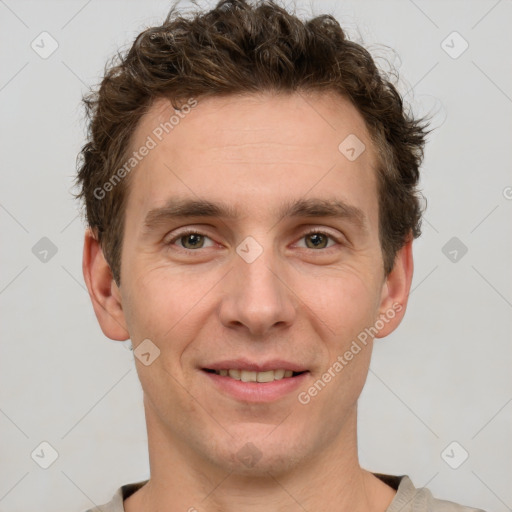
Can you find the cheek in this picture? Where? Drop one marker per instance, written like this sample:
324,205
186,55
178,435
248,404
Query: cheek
163,301
344,300
348,306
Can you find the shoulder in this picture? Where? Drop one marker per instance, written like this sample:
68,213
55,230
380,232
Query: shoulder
116,503
409,498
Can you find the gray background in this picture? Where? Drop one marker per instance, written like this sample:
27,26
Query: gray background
443,376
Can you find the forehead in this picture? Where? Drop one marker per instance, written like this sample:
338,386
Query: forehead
251,149
315,118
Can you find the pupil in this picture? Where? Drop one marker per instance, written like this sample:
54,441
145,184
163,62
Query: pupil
194,239
190,239
318,237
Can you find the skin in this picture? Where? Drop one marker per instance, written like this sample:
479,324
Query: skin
296,301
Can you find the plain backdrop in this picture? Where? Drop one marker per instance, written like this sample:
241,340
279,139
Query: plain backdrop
443,377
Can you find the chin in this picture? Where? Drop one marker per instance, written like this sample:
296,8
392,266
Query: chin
261,451
262,465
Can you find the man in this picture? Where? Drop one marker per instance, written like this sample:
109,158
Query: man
250,189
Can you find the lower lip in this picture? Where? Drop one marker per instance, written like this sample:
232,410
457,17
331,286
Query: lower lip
257,391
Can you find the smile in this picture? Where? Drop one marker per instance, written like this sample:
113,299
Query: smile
256,387
253,376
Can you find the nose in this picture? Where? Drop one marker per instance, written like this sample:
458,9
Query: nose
256,297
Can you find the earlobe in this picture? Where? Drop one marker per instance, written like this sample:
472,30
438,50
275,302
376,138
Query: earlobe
396,289
105,296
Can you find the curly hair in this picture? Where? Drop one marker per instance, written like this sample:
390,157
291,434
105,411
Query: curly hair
239,47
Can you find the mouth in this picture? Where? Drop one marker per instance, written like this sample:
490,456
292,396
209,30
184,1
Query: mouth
249,386
254,376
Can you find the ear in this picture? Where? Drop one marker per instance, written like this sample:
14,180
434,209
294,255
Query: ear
395,291
104,293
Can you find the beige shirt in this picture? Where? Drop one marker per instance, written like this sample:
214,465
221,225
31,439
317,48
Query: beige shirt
407,498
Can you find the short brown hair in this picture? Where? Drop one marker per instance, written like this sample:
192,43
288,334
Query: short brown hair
238,47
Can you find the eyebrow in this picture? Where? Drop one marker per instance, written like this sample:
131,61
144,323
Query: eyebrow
200,208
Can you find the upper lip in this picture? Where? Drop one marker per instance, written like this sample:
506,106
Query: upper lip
245,364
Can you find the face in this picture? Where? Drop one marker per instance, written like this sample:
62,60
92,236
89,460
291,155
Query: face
283,263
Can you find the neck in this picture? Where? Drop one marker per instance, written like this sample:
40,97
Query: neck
330,480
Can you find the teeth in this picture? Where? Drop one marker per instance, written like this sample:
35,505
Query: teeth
235,374
247,376
279,374
267,376
252,376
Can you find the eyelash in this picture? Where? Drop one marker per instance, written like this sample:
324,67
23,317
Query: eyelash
195,232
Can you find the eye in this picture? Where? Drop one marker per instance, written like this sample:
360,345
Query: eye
190,240
318,239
